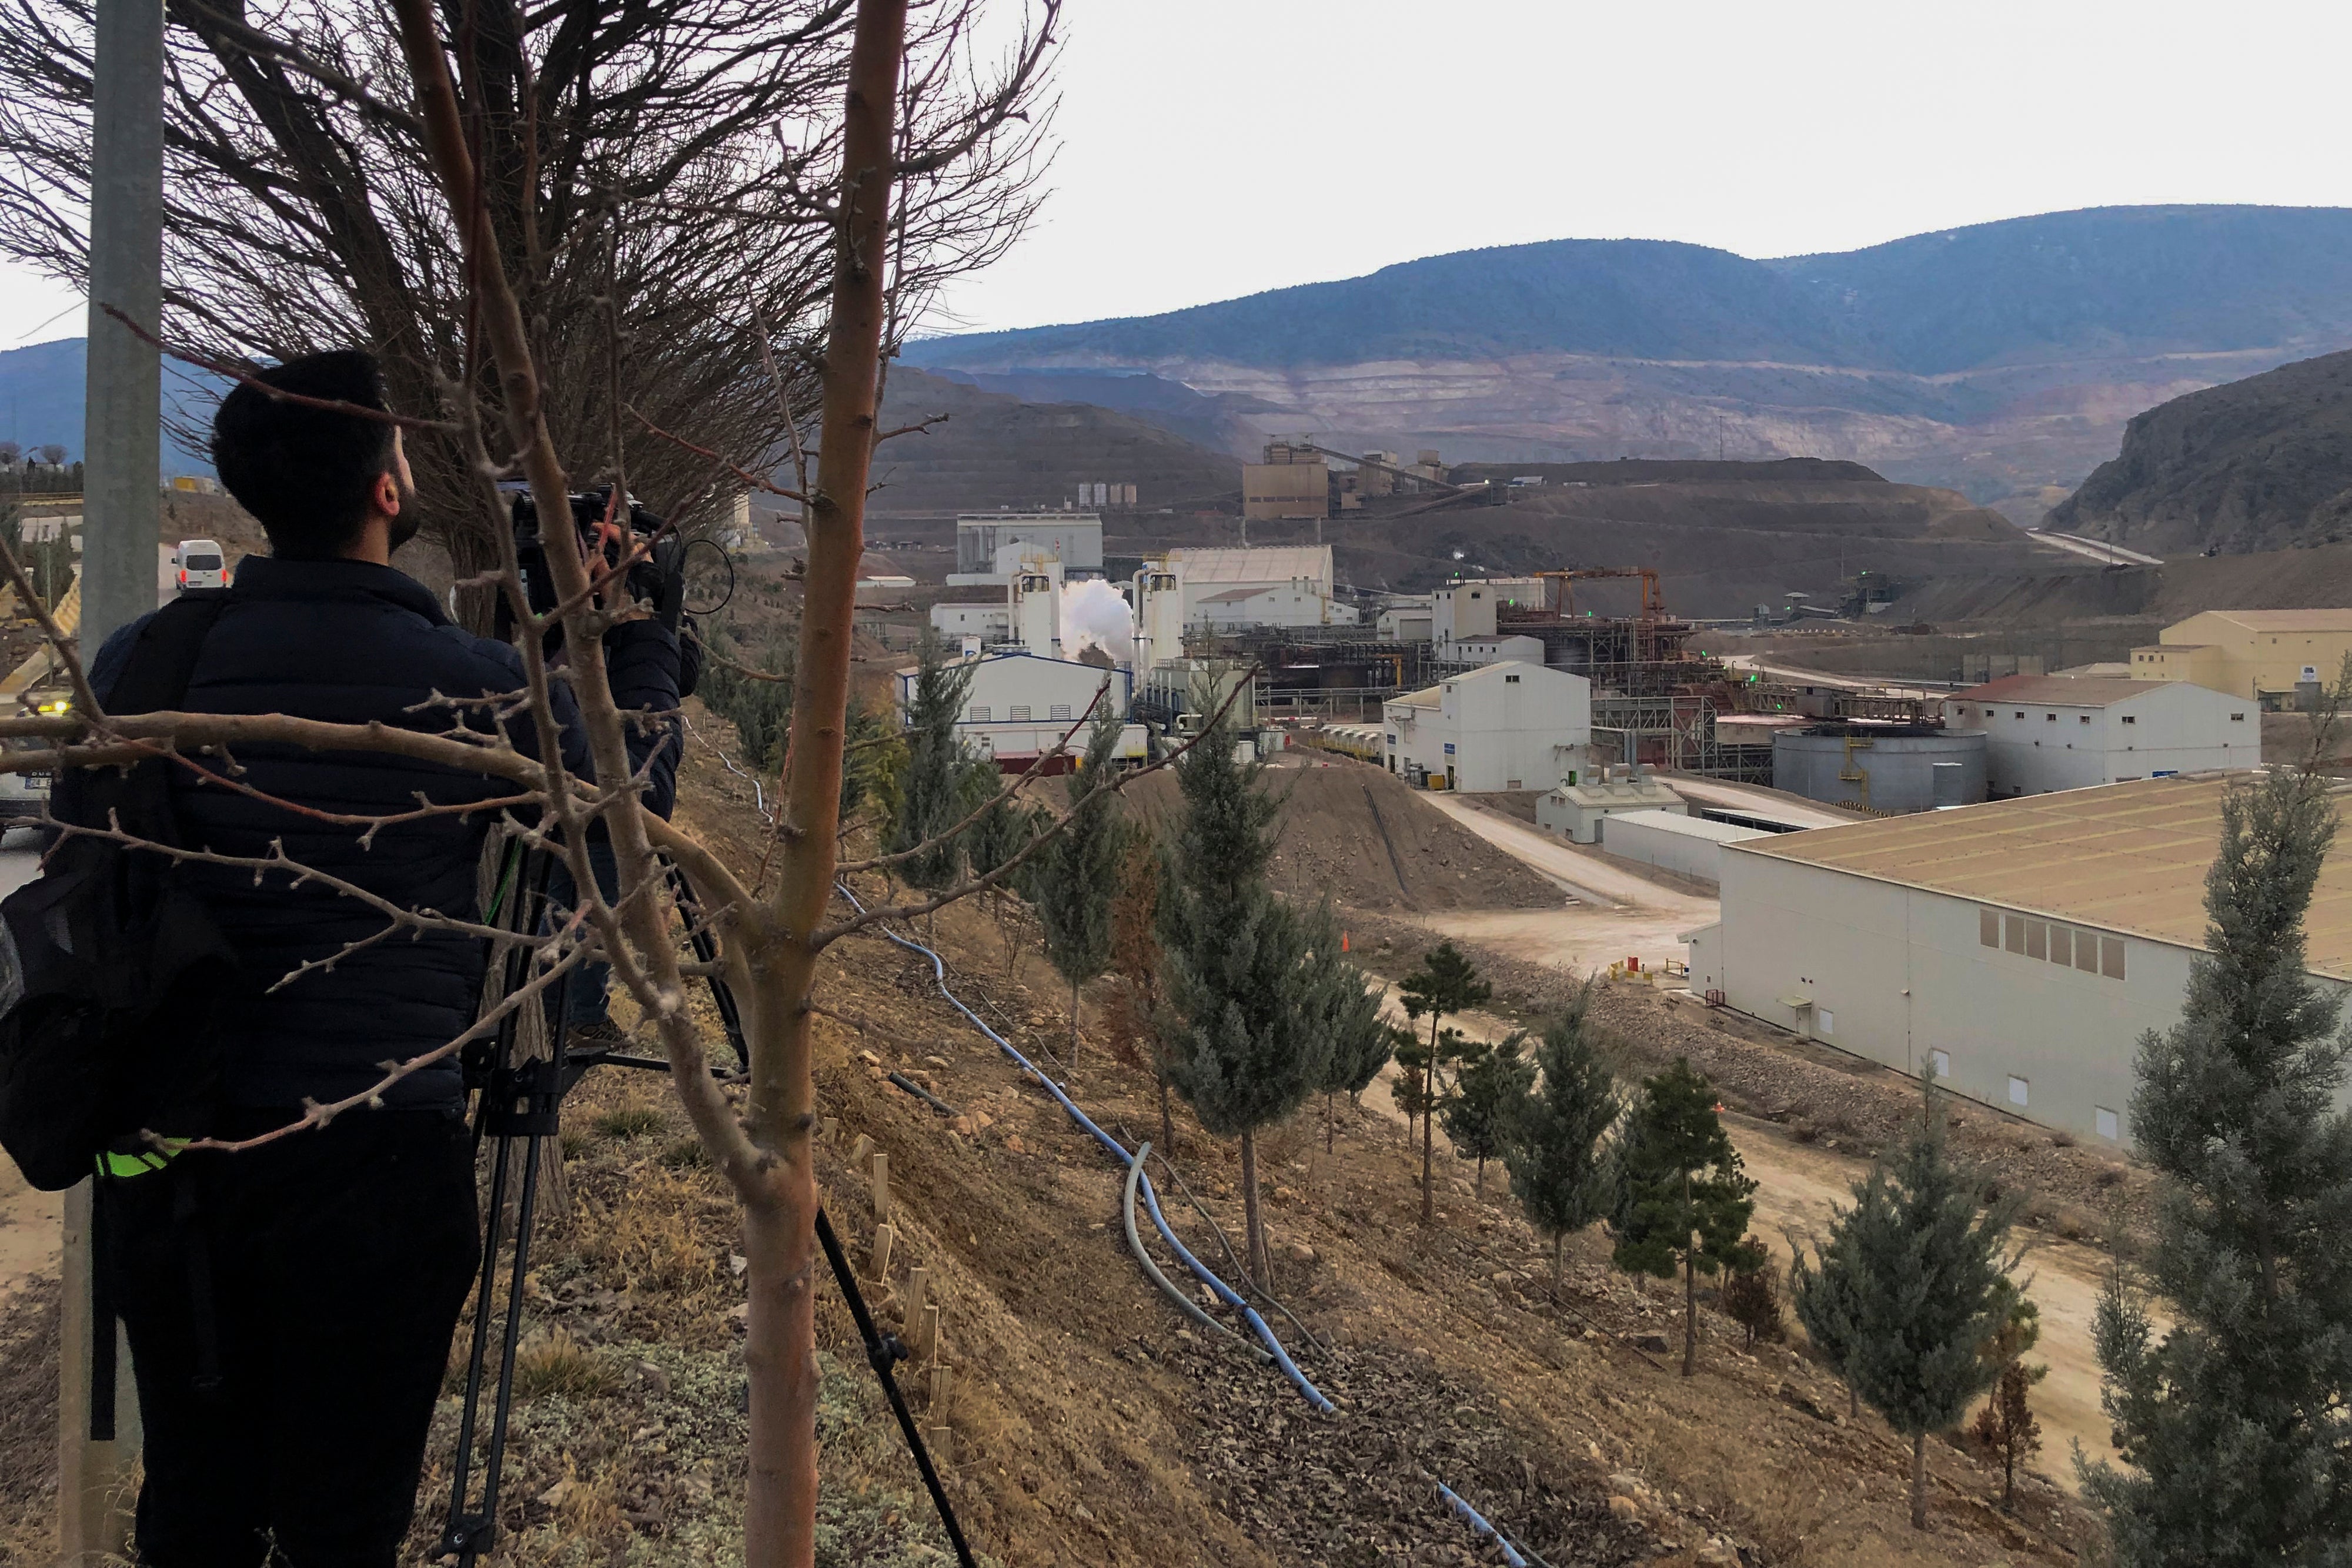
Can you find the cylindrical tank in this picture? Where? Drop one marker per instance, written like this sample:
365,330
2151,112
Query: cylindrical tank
1884,768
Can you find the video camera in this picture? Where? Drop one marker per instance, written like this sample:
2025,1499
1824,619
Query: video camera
609,534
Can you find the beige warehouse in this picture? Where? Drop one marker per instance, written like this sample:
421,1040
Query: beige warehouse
2019,947
2259,653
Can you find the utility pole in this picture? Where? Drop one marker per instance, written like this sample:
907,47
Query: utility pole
121,472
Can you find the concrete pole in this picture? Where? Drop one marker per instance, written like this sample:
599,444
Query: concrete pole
121,440
122,468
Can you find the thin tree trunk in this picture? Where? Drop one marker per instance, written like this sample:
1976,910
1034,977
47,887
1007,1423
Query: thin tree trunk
1251,1222
1479,1186
1167,1120
1920,1479
1073,1027
1559,1240
1853,1404
1428,1142
1690,1311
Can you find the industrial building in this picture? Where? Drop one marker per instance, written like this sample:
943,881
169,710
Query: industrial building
1501,726
1292,582
1671,841
2018,948
1020,705
2065,732
2264,656
1884,768
1074,539
1294,481
1582,803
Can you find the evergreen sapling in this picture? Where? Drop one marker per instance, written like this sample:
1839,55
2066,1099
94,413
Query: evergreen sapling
1493,1081
1445,984
1554,1152
1684,1198
1077,872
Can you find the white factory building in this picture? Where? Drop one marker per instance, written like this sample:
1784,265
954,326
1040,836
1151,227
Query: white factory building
1074,539
1285,585
2066,732
1500,726
1020,705
2019,947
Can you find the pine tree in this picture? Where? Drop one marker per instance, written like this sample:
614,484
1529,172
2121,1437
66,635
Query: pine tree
1558,1165
1077,872
1135,961
935,790
1246,1033
1910,1287
1684,1198
1361,1044
1493,1081
2235,1420
1751,1297
1446,983
2008,1426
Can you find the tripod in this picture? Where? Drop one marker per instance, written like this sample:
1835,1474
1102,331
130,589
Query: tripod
521,1102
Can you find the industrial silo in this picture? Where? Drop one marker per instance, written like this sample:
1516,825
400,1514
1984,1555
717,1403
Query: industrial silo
1884,768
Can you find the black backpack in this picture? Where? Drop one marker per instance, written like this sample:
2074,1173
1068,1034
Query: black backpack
113,974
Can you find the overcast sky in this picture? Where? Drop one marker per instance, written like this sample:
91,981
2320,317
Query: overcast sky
1214,148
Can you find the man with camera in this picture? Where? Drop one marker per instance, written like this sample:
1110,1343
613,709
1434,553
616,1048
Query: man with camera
289,1307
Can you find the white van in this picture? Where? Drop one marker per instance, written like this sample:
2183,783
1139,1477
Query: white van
202,565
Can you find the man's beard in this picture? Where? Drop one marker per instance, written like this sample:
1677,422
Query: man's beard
404,525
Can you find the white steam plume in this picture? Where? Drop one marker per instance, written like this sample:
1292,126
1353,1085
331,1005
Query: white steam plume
1096,615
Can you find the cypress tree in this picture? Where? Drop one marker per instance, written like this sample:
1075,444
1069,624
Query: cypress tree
1488,1092
1246,1030
1135,967
1077,873
1684,1198
2238,1420
1910,1288
1361,1044
1554,1154
937,789
1445,983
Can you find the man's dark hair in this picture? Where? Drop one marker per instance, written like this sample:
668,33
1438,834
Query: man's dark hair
305,472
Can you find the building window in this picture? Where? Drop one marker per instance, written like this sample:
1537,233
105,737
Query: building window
2110,1125
2050,718
1943,1062
1824,1022
1059,710
2019,1091
2086,952
2062,945
980,713
1989,927
2237,718
1510,784
2037,939
2020,713
1510,680
1018,713
2130,719
2013,933
2082,719
2111,958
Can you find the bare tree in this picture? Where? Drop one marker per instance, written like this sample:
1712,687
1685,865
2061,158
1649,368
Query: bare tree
653,181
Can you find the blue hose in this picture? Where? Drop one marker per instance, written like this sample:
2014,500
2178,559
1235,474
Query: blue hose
1225,1293
1478,1522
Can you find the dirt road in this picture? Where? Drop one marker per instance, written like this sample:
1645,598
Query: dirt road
1622,913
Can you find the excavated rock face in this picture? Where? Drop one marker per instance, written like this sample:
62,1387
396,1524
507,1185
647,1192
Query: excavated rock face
2260,463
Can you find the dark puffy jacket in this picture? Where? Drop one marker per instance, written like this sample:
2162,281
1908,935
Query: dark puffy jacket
347,641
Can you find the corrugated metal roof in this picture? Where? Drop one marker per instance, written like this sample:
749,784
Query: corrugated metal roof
2060,691
2129,857
2286,620
1278,563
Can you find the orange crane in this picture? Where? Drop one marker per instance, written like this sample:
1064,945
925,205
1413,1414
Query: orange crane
1653,603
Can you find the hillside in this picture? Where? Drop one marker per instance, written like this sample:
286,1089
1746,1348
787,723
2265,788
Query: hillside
996,450
1995,360
2257,464
43,389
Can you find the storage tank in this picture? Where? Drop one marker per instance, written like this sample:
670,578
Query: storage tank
1884,768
